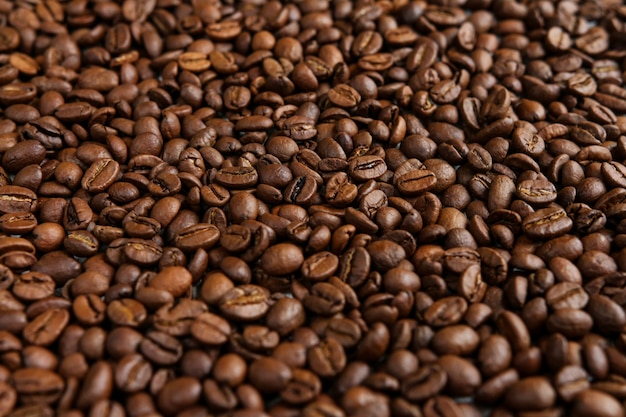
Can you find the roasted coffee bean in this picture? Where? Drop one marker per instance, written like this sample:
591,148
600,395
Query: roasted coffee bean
15,199
160,348
547,223
44,329
179,394
363,168
38,386
210,329
198,236
100,175
281,259
174,279
132,373
327,359
595,403
533,393
247,302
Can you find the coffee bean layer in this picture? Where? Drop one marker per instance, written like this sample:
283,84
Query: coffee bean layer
315,208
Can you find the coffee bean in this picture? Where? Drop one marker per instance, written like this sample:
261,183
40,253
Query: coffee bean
247,302
367,167
566,295
547,223
426,383
595,403
446,311
354,266
47,327
210,329
571,322
327,359
15,199
133,373
100,175
570,381
343,95
457,340
178,394
37,386
532,393
606,314
237,177
201,235
174,279
269,375
160,348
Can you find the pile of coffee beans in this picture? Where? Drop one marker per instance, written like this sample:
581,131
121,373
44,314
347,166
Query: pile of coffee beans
316,208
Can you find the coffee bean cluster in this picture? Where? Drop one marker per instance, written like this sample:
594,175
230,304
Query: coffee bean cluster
316,208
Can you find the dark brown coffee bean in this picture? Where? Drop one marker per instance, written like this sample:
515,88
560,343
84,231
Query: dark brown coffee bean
446,311
343,95
547,223
595,403
282,259
571,322
319,266
426,383
269,375
174,279
161,348
201,235
533,393
179,394
607,315
210,329
15,199
327,359
46,327
245,303
37,386
132,373
17,93
354,266
368,167
570,381
100,175
237,177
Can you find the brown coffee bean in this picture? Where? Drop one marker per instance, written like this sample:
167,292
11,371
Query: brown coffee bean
446,311
595,403
174,279
607,315
532,393
100,175
198,236
37,386
179,394
456,340
343,95
327,359
269,375
566,295
282,259
368,167
547,223
426,383
210,329
46,327
246,303
132,373
15,199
